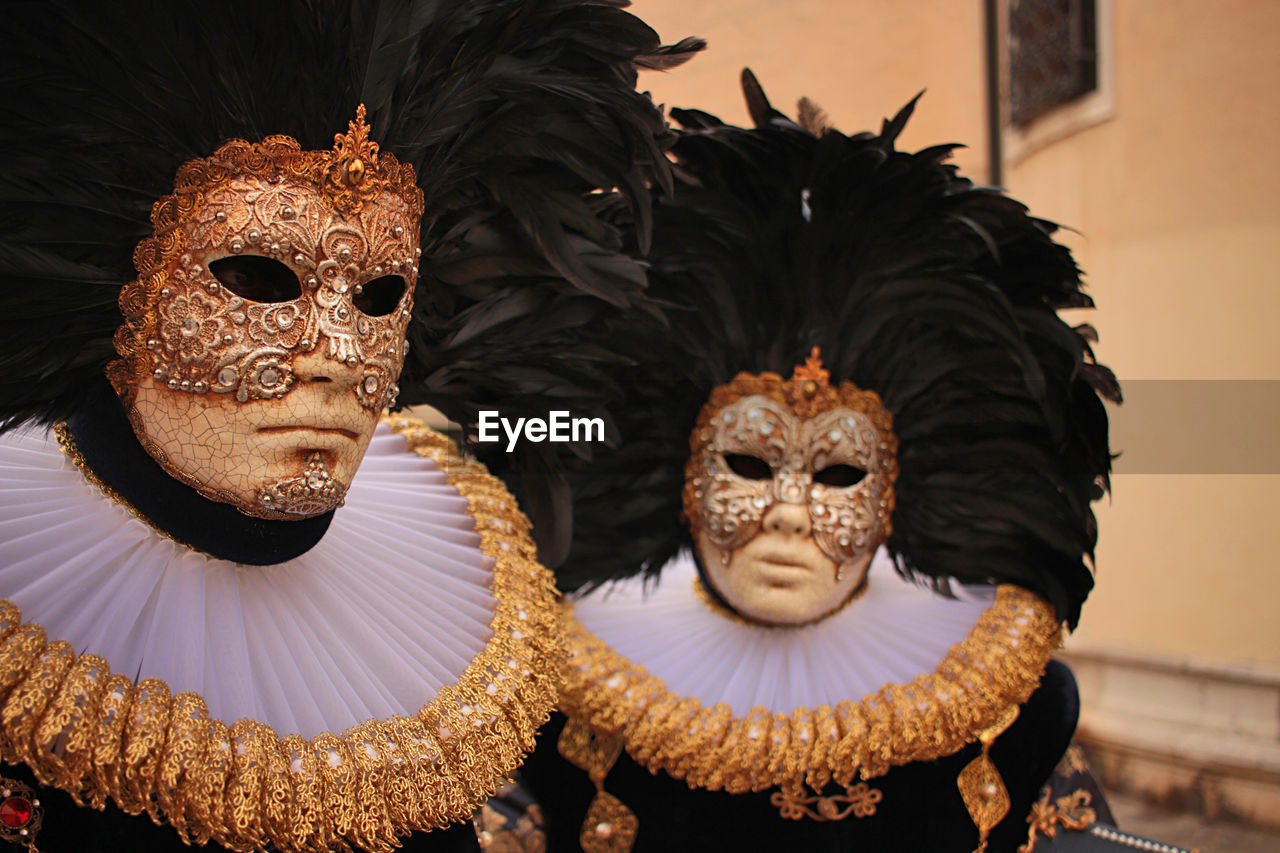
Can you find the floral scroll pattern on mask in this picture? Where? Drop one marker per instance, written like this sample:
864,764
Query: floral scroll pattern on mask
209,339
277,400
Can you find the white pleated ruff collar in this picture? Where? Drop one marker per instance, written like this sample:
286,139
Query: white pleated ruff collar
901,674
389,607
893,632
416,645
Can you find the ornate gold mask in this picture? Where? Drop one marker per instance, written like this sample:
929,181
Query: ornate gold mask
789,491
266,330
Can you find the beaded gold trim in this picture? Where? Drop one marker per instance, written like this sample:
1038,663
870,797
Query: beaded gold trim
996,667
97,735
1115,836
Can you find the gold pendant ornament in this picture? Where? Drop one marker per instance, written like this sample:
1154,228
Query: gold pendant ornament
21,814
983,791
609,826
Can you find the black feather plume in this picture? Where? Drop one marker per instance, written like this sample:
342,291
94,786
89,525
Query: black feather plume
938,295
512,113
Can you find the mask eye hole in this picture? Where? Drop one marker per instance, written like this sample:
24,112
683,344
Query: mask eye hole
748,467
256,278
379,297
840,476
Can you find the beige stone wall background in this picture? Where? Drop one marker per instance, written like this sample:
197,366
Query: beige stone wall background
860,60
1175,202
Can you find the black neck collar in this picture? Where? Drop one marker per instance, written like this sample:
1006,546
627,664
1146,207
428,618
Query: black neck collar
105,439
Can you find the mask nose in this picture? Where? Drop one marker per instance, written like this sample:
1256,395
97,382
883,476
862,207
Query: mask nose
315,366
788,519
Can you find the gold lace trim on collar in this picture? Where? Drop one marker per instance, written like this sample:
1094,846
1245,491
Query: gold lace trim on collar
97,735
997,666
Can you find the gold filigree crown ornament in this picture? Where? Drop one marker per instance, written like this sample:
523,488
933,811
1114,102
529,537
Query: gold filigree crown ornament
807,393
238,185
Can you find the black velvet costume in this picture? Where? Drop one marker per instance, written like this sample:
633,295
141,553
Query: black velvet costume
921,809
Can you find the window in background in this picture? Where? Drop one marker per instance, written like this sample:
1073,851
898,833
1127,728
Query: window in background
1053,57
1054,65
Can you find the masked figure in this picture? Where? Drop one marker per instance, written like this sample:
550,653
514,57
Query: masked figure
238,597
823,570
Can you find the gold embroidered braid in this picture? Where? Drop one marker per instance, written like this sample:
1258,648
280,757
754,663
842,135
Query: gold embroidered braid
859,800
996,667
1071,812
97,735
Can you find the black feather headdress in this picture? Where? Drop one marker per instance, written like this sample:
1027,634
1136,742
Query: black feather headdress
510,111
938,295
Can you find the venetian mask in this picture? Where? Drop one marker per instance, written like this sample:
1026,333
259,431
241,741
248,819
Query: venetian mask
266,331
789,492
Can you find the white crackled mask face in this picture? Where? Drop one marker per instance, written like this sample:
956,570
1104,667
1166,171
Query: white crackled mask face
266,332
789,493
280,337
